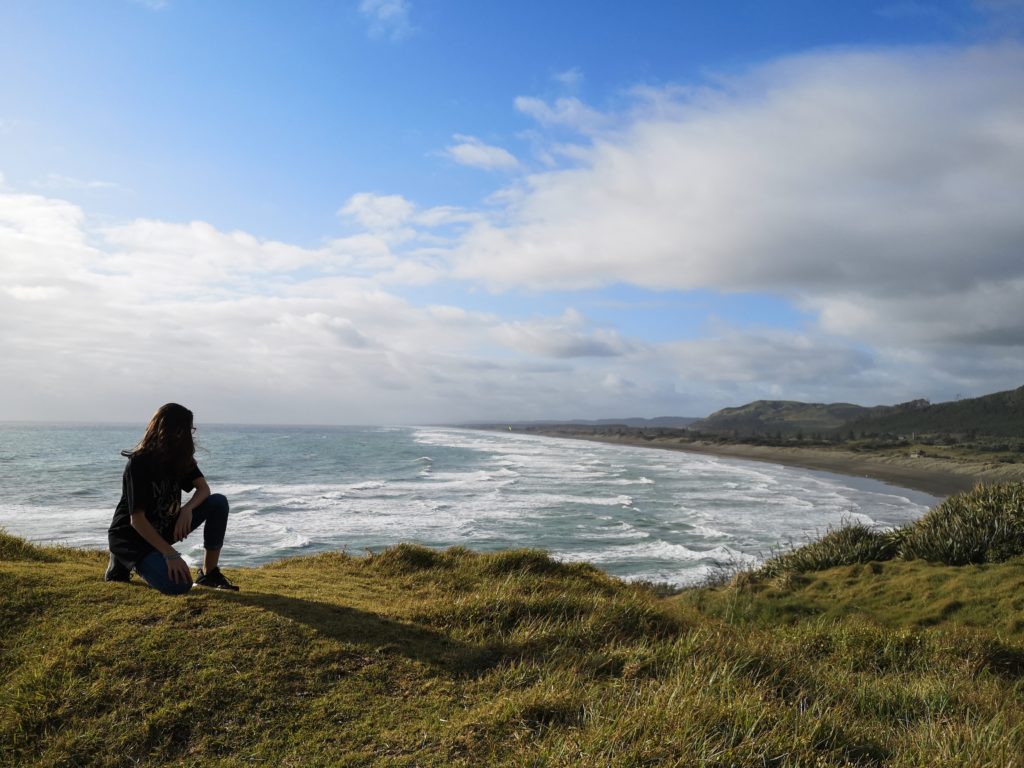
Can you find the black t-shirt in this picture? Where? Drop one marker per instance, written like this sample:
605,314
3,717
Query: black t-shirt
147,486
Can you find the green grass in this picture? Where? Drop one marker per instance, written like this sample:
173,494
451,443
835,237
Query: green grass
418,657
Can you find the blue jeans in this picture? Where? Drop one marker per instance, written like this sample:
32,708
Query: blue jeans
153,568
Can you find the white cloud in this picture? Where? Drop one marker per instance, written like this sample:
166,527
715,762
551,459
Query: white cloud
179,259
447,215
570,78
879,188
568,112
105,323
617,385
378,213
388,18
469,150
786,358
36,292
562,338
878,191
56,181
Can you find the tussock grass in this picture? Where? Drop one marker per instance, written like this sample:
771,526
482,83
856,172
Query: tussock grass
854,543
983,525
419,657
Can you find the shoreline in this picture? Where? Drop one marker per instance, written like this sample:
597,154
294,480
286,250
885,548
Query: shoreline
936,476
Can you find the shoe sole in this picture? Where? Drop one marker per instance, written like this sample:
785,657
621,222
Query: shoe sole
215,586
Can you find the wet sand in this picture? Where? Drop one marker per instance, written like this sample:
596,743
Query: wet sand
934,475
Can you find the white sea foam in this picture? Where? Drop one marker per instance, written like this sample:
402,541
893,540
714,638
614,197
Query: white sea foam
658,550
629,481
713,533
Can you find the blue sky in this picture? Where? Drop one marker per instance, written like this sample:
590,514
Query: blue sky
400,211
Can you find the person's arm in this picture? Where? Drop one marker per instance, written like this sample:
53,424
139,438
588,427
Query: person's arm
177,569
183,527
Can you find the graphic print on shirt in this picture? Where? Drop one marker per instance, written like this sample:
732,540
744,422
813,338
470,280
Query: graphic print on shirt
166,503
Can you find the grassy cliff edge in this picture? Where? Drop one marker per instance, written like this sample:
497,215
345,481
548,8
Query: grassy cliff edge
422,657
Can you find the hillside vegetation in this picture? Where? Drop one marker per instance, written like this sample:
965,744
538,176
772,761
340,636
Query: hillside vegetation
783,417
999,415
415,657
996,415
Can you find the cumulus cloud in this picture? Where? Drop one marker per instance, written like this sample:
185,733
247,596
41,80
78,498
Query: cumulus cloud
378,212
880,189
106,323
391,222
469,150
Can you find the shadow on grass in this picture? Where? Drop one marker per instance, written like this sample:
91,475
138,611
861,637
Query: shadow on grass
375,633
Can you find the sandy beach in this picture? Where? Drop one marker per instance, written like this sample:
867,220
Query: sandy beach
934,475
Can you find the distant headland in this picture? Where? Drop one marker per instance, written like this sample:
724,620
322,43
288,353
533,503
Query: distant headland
941,448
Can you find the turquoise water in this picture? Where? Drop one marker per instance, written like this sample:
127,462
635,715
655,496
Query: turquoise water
639,513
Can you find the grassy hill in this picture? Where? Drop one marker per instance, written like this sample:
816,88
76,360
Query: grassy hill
997,415
415,657
784,417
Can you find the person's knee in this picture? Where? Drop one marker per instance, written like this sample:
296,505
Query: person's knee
176,588
218,503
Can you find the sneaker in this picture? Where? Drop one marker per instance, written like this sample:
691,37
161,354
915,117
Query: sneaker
116,571
214,579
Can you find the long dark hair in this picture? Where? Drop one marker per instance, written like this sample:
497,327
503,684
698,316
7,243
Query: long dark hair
168,439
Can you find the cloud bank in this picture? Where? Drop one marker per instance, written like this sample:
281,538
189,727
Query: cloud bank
878,191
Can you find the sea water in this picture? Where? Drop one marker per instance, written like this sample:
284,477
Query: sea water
638,513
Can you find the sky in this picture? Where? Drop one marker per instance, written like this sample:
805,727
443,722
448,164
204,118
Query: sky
415,211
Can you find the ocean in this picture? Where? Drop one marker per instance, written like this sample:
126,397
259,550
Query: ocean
637,513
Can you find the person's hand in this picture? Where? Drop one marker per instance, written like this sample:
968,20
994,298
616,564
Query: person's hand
183,527
178,571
